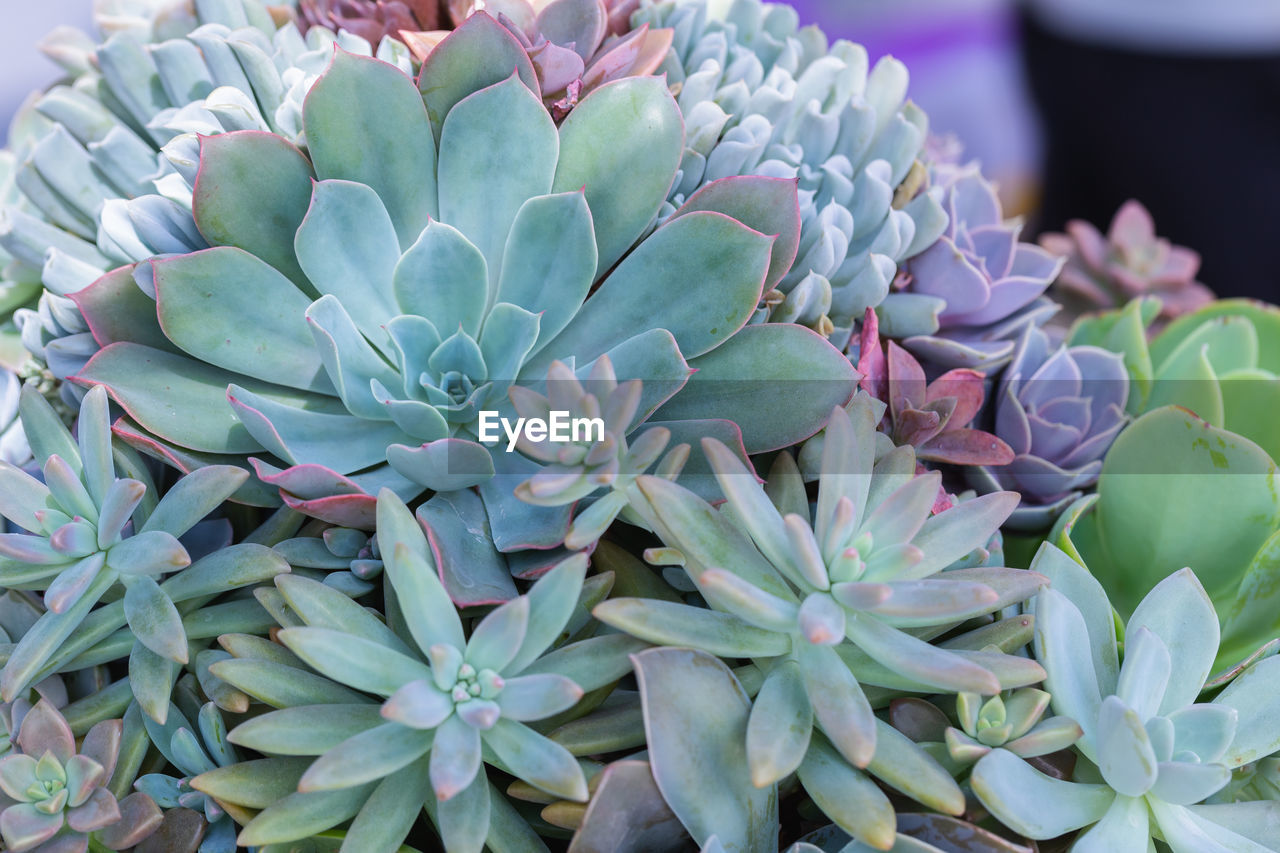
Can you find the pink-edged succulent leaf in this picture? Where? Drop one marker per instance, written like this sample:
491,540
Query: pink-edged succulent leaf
98,812
966,387
102,744
769,206
470,567
871,361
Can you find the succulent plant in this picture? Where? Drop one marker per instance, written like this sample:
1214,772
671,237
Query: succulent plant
1175,492
1157,752
577,469
822,607
372,20
192,750
395,400
575,46
966,299
1060,411
445,700
55,798
90,530
933,417
350,559
1130,261
1011,721
227,68
761,96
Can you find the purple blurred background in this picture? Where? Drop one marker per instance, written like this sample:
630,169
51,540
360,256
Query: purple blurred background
22,67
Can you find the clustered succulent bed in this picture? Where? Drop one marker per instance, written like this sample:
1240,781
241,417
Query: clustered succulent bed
876,551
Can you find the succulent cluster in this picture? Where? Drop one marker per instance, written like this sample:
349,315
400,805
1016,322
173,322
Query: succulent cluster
1130,261
601,425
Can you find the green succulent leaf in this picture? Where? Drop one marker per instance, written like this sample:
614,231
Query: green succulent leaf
366,122
626,174
703,772
251,193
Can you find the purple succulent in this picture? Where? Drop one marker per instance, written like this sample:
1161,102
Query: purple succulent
1059,410
963,301
372,20
1130,261
54,798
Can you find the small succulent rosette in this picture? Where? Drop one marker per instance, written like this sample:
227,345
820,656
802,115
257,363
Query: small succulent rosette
1128,262
965,300
1059,410
55,796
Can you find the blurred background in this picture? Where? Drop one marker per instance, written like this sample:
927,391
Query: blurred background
1072,106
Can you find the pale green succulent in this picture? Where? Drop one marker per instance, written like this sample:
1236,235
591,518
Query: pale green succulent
350,559
822,607
1009,721
92,530
446,702
762,96
1150,753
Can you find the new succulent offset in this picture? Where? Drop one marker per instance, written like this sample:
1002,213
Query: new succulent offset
333,261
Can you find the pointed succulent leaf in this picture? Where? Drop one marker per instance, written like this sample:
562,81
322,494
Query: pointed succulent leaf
204,298
672,624
366,122
354,661
780,726
498,149
1179,612
847,796
1258,711
348,248
365,757
429,613
154,619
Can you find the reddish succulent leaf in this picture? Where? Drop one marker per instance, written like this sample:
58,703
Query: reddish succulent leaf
871,360
966,447
967,387
906,381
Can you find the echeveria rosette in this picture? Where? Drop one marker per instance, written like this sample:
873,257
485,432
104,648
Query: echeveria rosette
401,304
1060,410
763,96
824,607
90,530
965,300
192,749
933,417
446,700
1013,720
55,797
104,179
1153,753
1130,261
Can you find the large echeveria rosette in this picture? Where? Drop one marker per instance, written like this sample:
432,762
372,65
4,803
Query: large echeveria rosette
964,300
357,313
1059,410
763,96
101,176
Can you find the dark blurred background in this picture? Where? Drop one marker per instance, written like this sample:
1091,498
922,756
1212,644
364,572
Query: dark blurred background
1072,106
